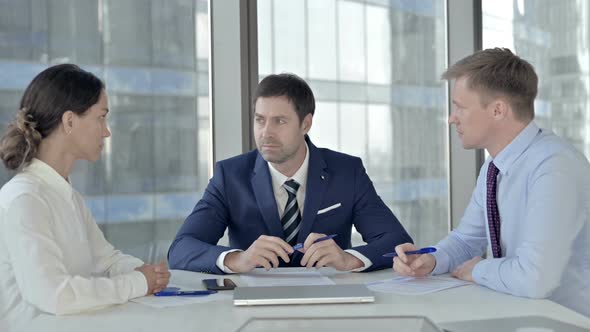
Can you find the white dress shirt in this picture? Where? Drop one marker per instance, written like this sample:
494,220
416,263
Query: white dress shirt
281,196
543,196
53,256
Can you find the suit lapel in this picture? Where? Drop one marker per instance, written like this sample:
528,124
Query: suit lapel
262,187
317,182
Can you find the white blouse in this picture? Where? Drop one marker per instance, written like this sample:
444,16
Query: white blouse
53,256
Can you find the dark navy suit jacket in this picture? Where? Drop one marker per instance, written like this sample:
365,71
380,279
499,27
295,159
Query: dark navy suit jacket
240,198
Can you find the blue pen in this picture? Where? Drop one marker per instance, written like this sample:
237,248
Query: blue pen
426,250
327,237
185,293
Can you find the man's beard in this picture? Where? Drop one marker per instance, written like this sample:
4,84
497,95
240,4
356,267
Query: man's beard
279,158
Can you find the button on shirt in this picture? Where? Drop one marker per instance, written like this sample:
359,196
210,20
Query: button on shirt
53,256
281,197
543,196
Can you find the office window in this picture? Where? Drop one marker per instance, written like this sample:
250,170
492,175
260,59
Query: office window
351,32
374,67
553,37
321,52
153,57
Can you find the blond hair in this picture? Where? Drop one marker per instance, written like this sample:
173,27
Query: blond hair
498,71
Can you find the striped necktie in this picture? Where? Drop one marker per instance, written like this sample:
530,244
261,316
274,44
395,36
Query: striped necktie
291,217
493,213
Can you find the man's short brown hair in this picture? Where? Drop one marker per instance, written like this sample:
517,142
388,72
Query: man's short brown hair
288,85
498,71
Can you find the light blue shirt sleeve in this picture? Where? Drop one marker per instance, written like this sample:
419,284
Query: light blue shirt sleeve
543,197
467,240
553,218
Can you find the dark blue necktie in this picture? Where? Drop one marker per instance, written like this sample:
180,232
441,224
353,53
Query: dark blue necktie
493,213
291,217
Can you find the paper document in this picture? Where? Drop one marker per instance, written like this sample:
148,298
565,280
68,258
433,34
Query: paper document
415,286
174,301
292,276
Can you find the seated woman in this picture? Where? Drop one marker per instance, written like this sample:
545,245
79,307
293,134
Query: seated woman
53,256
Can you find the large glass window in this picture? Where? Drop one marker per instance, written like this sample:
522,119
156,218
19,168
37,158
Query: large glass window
153,57
374,67
553,36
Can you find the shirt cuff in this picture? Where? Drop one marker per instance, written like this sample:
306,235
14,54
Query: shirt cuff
479,272
367,263
139,284
221,258
441,264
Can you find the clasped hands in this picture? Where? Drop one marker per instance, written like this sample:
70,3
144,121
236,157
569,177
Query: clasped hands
266,251
157,276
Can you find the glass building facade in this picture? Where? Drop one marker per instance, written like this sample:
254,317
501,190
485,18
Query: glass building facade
374,67
153,57
554,36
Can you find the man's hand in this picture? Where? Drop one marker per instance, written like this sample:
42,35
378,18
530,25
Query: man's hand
327,253
265,252
412,265
464,271
157,276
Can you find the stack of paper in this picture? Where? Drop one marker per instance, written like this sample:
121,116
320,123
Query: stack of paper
286,277
415,286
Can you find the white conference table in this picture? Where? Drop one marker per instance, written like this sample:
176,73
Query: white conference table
470,302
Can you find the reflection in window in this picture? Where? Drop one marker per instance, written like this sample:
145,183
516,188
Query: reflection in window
321,16
289,34
351,40
553,36
325,126
374,68
353,129
152,56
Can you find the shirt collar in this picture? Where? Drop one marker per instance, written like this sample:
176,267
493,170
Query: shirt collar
300,176
519,144
50,176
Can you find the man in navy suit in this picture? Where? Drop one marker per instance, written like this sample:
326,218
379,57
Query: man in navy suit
287,191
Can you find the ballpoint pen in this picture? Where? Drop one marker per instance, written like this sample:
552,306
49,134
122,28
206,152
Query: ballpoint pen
426,250
300,245
185,293
324,238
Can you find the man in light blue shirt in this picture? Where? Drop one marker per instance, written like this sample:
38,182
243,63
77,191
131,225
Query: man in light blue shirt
532,199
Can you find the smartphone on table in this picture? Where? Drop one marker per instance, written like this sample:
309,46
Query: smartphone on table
219,284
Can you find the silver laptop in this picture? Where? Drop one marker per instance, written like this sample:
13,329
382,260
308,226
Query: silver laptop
244,296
